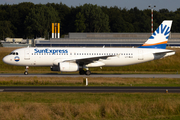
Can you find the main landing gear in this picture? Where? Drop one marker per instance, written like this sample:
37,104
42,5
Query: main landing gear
26,70
82,72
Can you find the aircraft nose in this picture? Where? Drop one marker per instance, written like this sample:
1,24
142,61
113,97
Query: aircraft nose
7,60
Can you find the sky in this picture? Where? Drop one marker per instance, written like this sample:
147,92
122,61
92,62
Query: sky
171,5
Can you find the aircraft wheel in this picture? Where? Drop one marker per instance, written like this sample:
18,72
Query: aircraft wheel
88,72
26,73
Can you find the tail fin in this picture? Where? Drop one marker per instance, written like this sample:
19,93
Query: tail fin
159,38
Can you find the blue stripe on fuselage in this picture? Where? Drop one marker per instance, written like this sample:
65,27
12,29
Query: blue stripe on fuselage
160,46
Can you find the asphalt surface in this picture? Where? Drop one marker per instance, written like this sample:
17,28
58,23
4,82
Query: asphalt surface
96,75
91,89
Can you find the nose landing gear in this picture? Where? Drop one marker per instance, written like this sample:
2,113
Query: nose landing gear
26,70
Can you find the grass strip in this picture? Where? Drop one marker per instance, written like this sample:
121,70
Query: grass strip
78,81
80,106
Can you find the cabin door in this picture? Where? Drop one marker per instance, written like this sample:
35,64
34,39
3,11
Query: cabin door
27,54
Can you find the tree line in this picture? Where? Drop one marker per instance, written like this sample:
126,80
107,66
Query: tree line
28,20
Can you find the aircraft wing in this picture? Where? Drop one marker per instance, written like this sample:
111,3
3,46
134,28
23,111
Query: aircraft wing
88,60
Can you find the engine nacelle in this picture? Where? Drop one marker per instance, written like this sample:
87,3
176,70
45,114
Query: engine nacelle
65,67
68,67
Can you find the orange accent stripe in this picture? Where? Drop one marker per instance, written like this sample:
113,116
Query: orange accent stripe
145,44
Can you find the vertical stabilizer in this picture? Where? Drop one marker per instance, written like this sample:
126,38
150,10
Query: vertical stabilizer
160,37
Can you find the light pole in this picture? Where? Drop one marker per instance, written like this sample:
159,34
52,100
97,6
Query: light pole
152,17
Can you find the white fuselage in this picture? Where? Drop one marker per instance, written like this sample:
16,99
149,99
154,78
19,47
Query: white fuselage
52,56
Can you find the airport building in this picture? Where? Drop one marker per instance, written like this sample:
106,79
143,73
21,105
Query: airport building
90,40
103,39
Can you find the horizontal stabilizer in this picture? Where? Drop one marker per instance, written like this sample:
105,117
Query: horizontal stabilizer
159,55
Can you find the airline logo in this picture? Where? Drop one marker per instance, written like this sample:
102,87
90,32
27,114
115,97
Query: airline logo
163,31
53,51
16,59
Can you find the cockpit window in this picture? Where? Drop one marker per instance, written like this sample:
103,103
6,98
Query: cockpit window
13,53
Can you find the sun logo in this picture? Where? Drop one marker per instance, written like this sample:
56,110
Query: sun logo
16,58
161,32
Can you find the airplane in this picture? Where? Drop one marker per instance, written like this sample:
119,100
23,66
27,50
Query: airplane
71,59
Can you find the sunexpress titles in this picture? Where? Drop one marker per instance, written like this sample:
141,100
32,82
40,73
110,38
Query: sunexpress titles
53,51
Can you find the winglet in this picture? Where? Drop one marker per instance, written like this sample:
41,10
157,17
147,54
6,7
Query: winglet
159,38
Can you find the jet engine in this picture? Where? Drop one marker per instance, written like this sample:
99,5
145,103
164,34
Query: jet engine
65,67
